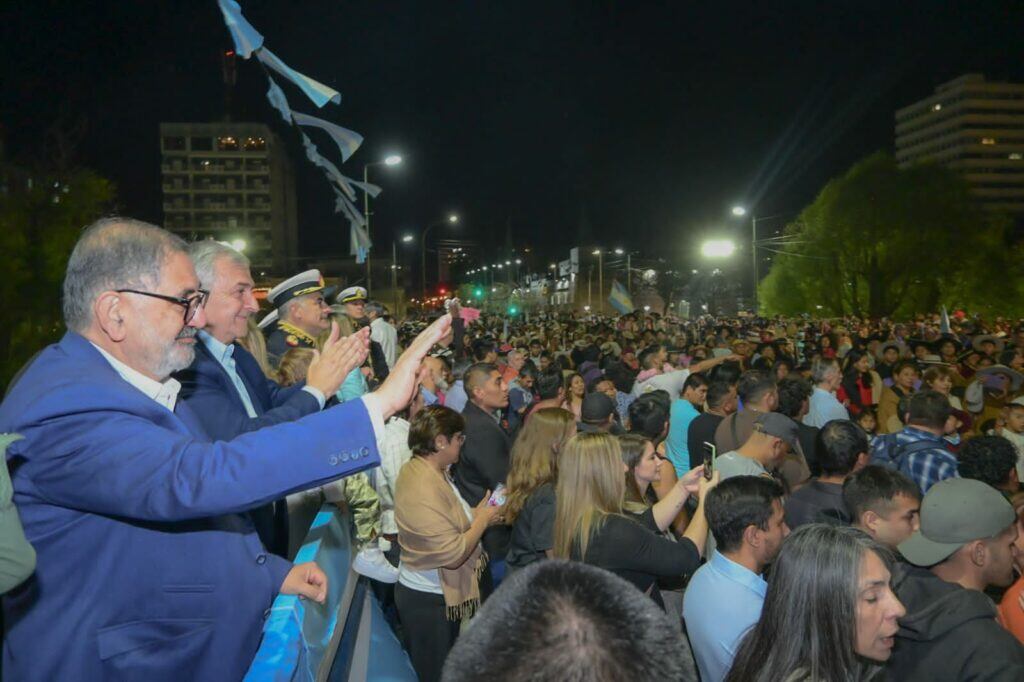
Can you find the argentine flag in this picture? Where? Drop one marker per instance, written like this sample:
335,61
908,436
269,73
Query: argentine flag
620,299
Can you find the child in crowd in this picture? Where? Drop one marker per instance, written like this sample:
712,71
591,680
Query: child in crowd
867,421
1012,429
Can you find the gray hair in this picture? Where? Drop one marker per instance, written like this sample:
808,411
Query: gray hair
113,253
285,311
374,307
205,255
821,368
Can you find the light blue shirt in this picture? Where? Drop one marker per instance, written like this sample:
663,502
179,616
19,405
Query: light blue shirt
723,601
224,354
823,408
353,387
456,397
683,412
429,397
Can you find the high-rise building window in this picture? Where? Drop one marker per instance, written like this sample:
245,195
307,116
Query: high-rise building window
227,144
202,144
174,144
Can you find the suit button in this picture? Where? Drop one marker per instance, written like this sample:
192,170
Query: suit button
261,559
344,457
333,460
364,451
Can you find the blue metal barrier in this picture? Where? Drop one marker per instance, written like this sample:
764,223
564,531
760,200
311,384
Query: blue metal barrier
346,637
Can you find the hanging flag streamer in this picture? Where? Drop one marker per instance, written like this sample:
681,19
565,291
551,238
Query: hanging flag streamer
319,93
275,95
343,205
359,243
333,174
247,39
368,187
348,141
944,327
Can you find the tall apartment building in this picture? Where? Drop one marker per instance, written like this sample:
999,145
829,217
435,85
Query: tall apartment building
975,127
455,256
232,182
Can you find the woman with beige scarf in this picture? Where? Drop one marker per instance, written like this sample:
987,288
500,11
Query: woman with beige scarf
439,535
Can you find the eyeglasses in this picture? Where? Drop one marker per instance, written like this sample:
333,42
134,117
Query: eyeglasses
190,304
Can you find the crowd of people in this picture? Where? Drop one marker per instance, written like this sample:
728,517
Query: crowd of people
549,496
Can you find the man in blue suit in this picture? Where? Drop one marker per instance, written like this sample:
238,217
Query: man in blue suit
229,393
225,387
146,569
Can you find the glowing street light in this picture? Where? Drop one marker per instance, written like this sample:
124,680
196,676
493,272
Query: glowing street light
718,248
619,252
453,218
238,244
739,211
390,160
407,238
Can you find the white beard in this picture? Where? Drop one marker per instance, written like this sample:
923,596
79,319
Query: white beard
164,359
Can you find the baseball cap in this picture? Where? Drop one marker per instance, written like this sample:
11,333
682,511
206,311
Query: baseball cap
954,512
780,426
596,408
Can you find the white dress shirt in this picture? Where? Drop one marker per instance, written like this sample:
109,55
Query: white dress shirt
224,353
385,334
165,392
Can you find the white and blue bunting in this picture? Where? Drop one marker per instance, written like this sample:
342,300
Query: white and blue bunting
248,41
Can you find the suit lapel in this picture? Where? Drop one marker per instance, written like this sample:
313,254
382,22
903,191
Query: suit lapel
225,379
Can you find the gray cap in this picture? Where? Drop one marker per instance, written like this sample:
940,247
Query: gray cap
780,426
954,512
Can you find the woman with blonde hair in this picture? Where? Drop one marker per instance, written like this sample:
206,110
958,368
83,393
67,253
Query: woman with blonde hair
530,498
294,366
590,525
256,344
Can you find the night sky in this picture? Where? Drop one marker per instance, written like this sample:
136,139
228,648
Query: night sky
638,122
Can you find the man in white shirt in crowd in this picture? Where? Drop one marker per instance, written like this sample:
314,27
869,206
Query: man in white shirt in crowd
382,331
824,406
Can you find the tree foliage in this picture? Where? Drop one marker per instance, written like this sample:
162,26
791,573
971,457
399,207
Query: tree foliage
40,220
884,241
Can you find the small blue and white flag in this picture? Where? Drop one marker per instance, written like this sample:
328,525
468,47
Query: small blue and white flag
620,299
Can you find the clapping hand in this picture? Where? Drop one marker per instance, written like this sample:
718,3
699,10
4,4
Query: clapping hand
338,357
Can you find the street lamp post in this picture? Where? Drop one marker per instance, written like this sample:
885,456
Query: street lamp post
451,219
739,212
406,238
600,277
392,160
629,269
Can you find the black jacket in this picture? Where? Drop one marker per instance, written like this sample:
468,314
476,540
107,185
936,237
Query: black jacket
483,464
949,633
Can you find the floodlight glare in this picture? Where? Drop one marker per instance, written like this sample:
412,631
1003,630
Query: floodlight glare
718,248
